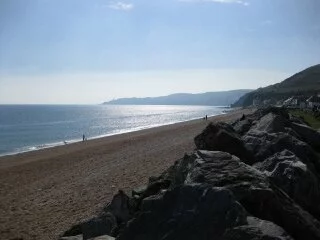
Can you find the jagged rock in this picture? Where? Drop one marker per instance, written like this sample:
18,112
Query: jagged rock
222,137
271,123
252,189
104,237
243,126
265,145
309,135
264,111
77,237
256,229
294,177
120,207
186,212
98,226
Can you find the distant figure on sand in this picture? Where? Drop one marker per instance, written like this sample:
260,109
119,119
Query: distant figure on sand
206,117
83,138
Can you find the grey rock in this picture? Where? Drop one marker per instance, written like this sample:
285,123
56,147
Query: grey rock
222,137
243,126
253,190
77,237
294,177
308,134
271,123
104,237
186,212
264,145
120,207
98,226
256,229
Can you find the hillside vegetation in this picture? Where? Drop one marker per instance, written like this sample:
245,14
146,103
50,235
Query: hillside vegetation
306,82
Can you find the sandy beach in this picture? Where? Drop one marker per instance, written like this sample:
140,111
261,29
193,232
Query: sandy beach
45,192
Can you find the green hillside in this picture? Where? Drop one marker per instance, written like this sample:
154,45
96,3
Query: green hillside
306,82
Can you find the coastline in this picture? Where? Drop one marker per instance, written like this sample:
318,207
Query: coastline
46,145
44,192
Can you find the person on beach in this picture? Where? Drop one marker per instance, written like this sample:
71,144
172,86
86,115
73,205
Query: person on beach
83,138
206,117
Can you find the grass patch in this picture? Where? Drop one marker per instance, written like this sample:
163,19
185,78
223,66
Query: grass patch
309,117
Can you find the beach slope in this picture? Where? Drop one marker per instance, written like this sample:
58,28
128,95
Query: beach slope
43,193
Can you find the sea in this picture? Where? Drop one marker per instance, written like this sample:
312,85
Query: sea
26,128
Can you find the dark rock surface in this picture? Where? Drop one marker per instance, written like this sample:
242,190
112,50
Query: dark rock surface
186,212
255,179
222,137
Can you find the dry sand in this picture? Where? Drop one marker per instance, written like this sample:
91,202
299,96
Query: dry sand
45,192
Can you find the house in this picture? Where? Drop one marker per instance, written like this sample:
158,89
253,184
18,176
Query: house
295,102
314,102
291,102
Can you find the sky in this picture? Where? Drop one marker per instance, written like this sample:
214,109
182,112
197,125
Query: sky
91,51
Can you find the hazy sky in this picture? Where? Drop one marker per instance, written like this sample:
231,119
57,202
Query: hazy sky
90,51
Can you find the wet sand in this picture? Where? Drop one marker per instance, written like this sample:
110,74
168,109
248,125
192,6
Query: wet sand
45,192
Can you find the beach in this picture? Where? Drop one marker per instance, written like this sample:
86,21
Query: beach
45,192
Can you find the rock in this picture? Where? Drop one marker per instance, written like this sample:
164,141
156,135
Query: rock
308,134
243,126
120,207
104,237
271,123
257,229
99,226
264,145
222,137
264,111
253,190
78,237
139,191
186,212
294,177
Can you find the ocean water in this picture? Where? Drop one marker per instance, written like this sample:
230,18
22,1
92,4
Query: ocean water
32,127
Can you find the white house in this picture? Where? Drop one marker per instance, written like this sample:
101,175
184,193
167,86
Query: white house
314,101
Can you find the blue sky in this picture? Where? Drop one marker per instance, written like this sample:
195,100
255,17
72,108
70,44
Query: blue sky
90,51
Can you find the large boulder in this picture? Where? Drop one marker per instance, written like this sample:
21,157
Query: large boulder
222,137
114,216
242,126
271,123
186,212
264,145
308,134
256,229
120,207
98,226
264,111
252,189
294,177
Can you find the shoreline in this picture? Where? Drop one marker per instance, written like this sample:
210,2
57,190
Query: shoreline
45,192
73,141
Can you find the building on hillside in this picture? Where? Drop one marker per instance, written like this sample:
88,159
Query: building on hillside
295,102
314,102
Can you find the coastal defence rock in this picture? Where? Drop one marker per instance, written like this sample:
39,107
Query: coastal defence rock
294,177
186,212
309,135
255,179
222,137
254,191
